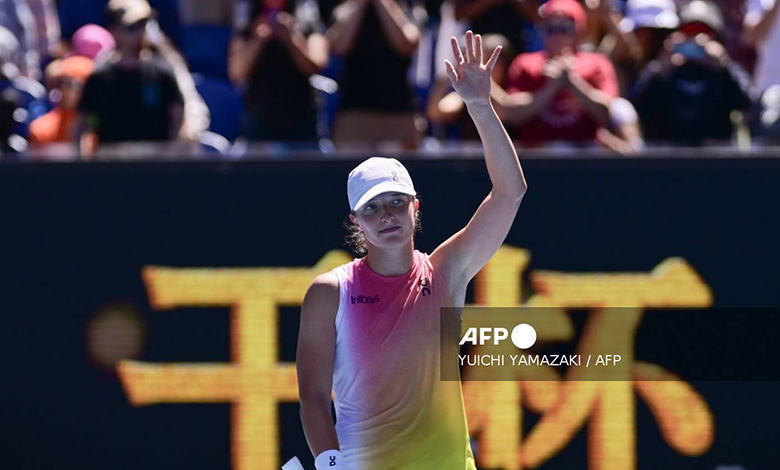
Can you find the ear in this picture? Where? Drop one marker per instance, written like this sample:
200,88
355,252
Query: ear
416,204
354,219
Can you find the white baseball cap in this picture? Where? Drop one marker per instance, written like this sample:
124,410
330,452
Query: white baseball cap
375,176
660,14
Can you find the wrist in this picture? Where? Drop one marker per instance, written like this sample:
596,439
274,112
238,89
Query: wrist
329,460
479,107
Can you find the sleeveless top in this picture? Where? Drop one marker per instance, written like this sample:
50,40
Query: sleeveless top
392,409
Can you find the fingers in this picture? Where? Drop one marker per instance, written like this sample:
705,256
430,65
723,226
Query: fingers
450,72
491,63
456,50
469,46
478,48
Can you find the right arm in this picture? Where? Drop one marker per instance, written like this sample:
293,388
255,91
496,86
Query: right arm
315,356
84,136
83,132
310,55
401,33
343,33
757,26
243,52
520,107
466,10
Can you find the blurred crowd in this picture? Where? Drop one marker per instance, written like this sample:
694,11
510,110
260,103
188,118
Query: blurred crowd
620,74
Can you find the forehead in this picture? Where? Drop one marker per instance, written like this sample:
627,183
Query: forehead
559,18
387,195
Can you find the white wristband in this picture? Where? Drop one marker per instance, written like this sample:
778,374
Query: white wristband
329,460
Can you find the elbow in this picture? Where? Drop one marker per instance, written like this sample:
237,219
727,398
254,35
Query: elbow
236,74
322,62
313,401
411,40
519,193
512,195
751,34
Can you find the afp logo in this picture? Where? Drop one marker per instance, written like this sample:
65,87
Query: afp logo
523,336
363,299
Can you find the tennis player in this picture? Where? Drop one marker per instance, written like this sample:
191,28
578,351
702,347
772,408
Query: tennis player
370,328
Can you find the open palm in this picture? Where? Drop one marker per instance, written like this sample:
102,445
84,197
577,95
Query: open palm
470,77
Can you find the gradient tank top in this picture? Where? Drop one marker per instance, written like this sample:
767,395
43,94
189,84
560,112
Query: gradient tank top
393,412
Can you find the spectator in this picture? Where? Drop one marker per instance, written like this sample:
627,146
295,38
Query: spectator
688,94
56,125
376,39
16,16
645,27
92,41
274,54
504,17
10,97
206,12
762,28
560,93
133,96
603,17
47,25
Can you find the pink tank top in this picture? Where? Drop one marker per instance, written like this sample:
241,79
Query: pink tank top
392,409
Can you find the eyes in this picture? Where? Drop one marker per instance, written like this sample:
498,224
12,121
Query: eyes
372,206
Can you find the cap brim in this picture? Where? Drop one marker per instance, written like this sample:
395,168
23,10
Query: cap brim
386,187
135,13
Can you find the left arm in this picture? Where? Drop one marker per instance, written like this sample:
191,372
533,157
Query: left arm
595,99
462,256
401,33
595,102
310,55
176,117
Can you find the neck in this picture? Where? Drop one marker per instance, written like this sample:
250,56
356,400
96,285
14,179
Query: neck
390,262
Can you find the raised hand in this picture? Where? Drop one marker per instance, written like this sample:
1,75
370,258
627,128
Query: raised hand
471,78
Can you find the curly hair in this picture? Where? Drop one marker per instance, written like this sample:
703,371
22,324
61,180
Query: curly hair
356,239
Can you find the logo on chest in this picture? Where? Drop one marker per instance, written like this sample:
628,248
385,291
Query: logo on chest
365,299
424,283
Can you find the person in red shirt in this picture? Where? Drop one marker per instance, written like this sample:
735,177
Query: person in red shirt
57,125
560,93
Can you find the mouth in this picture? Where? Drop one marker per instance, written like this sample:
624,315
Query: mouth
390,230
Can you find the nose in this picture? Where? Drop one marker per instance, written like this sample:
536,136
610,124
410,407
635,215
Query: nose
387,215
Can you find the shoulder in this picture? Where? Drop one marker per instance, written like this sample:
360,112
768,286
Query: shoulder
527,63
323,290
594,60
325,283
44,125
102,72
157,67
48,119
529,59
320,304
